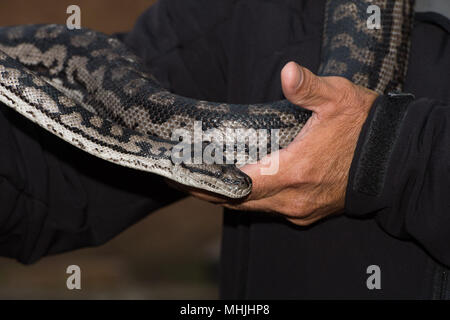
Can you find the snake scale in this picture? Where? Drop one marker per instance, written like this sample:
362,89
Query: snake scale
90,90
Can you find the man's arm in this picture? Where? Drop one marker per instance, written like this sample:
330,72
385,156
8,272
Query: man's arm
404,179
55,198
363,153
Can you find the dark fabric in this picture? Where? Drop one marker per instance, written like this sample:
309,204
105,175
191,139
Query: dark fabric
385,121
55,198
233,51
265,258
414,203
243,52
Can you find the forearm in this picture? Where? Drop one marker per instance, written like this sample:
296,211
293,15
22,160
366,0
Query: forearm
404,177
55,198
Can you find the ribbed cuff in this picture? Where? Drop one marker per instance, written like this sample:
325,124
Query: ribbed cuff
373,153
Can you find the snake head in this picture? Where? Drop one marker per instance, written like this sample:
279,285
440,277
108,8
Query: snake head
223,179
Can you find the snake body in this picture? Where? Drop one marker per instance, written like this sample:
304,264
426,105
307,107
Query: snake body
90,90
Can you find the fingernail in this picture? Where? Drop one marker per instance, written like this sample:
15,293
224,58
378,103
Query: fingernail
298,76
294,75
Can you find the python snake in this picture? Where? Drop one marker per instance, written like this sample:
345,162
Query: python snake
90,90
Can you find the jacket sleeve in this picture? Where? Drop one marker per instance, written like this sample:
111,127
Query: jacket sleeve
400,173
54,197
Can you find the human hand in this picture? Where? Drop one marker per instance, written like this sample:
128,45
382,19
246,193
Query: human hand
313,170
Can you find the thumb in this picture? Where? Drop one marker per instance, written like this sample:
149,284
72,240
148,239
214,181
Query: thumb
303,88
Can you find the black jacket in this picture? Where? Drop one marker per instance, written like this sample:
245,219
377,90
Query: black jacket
54,198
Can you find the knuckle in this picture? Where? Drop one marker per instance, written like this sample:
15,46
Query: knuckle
310,86
318,89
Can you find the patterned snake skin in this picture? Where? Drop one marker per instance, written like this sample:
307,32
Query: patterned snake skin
88,89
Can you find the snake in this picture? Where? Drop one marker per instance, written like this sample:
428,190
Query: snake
92,91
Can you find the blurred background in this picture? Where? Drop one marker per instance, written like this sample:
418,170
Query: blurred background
167,255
